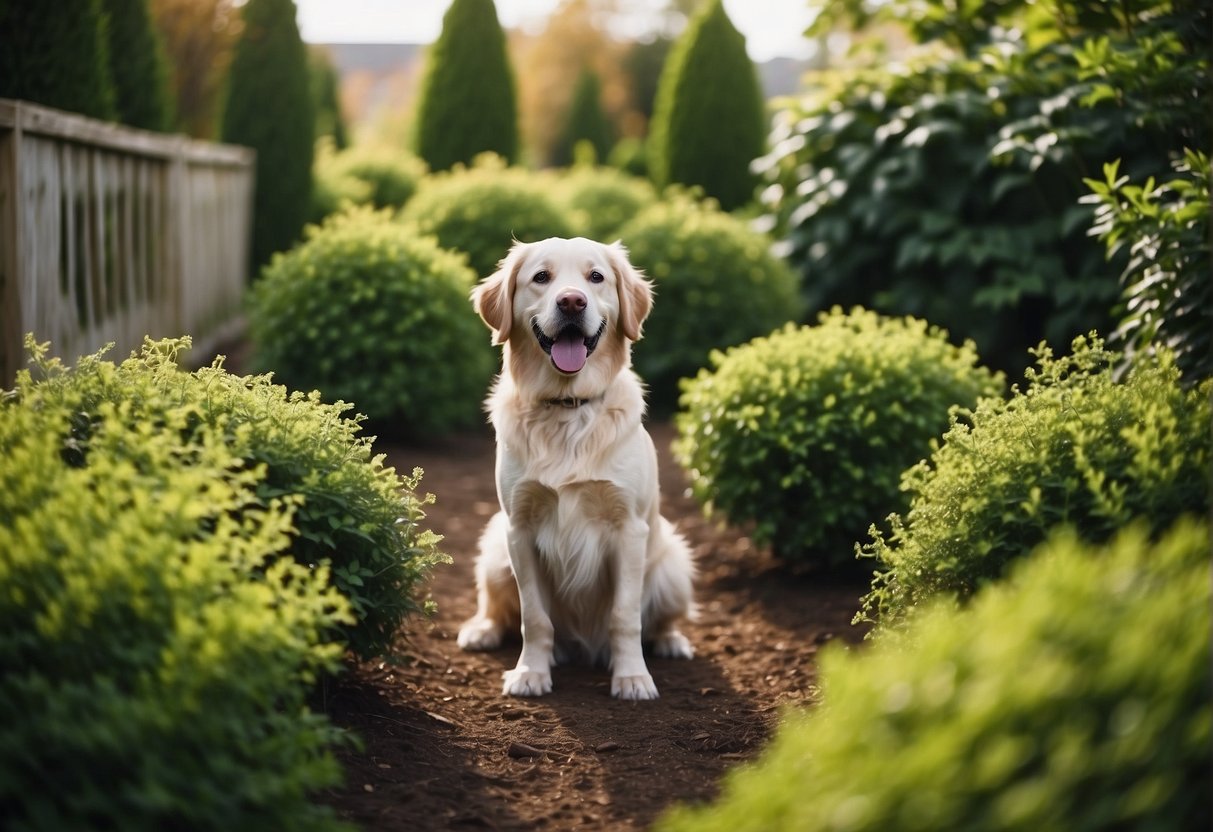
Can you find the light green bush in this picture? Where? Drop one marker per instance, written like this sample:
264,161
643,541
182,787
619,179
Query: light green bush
717,285
158,641
805,433
601,200
1074,447
363,175
481,210
368,311
1074,697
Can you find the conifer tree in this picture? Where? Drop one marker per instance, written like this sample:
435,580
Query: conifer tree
56,54
585,121
269,108
709,121
138,66
326,97
468,102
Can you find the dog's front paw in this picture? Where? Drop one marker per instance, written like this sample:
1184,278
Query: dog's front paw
673,645
633,687
523,682
480,634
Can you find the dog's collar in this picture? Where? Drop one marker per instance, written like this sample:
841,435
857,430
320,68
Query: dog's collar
569,402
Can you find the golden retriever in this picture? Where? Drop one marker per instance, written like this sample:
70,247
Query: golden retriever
579,555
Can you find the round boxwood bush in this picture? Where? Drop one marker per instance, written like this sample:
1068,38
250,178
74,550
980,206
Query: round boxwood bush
1074,447
481,210
805,433
158,642
368,311
717,285
1075,697
602,200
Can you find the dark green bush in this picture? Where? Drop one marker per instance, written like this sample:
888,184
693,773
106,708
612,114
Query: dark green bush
138,66
1168,295
804,434
1075,697
158,641
467,104
1075,447
370,312
326,97
481,210
57,54
601,200
269,108
717,285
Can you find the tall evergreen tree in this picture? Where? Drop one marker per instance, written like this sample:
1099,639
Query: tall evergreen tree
56,54
585,121
269,108
138,66
709,121
468,103
326,97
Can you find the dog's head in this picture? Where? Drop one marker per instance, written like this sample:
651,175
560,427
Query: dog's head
567,300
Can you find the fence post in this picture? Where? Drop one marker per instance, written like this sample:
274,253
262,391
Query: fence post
12,223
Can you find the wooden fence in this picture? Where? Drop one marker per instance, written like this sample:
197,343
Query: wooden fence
109,234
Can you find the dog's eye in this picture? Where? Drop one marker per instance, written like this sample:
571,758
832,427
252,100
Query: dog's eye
542,276
596,276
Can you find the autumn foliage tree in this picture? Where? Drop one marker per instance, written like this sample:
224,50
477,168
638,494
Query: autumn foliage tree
467,103
198,36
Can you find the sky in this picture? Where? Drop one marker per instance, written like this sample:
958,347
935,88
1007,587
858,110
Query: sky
772,28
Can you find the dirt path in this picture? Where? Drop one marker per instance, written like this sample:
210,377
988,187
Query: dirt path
444,750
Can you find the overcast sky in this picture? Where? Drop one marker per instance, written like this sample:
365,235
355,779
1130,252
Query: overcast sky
772,28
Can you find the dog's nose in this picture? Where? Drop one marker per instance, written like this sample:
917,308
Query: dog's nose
571,302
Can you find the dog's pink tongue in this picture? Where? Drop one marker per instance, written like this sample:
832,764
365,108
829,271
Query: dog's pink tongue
569,353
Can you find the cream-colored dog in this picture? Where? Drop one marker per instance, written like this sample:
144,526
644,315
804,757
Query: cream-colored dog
579,554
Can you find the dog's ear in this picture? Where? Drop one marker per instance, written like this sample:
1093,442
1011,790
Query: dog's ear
493,297
635,293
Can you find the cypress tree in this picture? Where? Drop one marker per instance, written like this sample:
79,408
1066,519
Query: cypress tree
326,97
56,54
585,121
269,108
138,66
709,121
467,103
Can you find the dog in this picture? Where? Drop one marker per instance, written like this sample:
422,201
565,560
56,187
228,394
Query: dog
579,557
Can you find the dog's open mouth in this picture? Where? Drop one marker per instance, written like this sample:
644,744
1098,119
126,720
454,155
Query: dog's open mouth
571,348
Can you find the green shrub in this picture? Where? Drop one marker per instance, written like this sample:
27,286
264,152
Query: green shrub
363,175
1076,447
269,108
717,285
805,433
600,200
326,97
1076,697
158,642
585,121
367,311
481,210
138,66
709,121
467,104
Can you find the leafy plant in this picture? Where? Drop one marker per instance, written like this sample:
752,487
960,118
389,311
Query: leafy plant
1168,295
1075,696
363,175
159,643
481,210
601,200
804,434
717,285
368,311
1075,447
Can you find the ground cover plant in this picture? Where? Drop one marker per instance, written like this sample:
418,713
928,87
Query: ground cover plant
717,284
1074,446
371,312
158,639
802,436
1074,696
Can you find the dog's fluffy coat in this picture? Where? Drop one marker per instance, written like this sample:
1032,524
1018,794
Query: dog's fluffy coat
579,556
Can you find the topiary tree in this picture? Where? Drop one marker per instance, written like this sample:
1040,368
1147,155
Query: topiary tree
369,311
269,108
584,122
1075,697
717,285
805,434
467,103
326,97
138,66
57,54
709,122
1076,448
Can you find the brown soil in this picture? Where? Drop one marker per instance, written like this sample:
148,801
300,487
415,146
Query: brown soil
443,749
